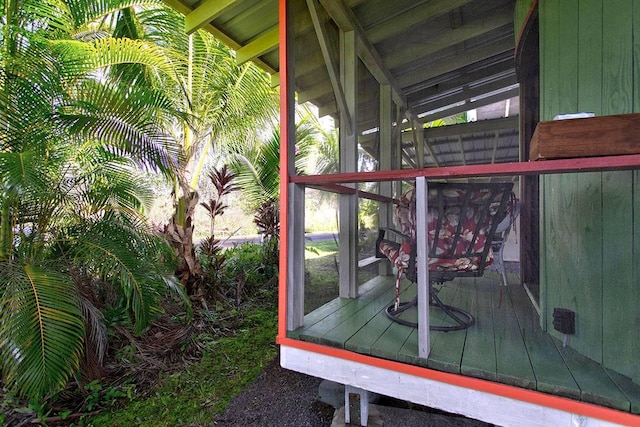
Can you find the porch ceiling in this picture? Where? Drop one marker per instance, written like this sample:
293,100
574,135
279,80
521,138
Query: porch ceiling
440,57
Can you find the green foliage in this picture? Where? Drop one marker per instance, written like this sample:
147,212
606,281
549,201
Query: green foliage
241,274
194,396
75,135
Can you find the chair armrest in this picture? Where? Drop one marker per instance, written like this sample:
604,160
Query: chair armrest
399,233
380,238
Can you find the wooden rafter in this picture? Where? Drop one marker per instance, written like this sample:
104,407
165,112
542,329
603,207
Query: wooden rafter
467,93
185,9
469,30
264,43
420,13
470,105
332,67
346,21
205,13
464,159
470,56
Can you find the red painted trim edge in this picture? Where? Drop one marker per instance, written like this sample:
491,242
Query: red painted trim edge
504,390
582,164
527,21
284,171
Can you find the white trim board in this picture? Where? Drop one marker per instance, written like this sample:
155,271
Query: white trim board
471,403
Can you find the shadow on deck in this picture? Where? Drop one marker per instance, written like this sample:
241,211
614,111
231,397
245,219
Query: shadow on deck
505,345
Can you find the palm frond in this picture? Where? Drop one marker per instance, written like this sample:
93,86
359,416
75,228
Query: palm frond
42,330
136,263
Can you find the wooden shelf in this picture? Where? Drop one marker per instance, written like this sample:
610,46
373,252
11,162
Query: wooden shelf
586,137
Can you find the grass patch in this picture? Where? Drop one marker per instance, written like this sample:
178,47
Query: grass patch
321,248
195,395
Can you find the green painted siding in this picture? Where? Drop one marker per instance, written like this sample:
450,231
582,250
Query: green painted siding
590,251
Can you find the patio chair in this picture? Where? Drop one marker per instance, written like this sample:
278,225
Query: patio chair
461,218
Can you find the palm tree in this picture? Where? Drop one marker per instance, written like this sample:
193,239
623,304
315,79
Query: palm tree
229,105
257,170
78,128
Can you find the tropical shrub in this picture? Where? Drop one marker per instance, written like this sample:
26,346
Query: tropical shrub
81,122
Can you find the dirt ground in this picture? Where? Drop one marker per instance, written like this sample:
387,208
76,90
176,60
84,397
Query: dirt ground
283,398
278,397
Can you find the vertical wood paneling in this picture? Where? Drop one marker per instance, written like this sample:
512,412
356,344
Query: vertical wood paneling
618,286
587,188
558,94
634,318
590,221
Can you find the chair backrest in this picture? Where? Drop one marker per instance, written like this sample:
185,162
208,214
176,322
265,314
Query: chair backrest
461,219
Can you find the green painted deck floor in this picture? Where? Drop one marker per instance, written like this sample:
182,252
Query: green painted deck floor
505,345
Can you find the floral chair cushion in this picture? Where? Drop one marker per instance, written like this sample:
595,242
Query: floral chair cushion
453,249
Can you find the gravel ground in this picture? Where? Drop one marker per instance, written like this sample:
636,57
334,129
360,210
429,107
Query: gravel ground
283,398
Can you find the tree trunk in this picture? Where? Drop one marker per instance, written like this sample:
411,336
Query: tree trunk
180,235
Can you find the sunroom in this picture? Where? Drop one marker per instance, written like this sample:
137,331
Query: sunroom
553,341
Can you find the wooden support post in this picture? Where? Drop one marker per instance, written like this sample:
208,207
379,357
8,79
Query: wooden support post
385,212
293,197
422,261
396,144
348,203
418,132
295,266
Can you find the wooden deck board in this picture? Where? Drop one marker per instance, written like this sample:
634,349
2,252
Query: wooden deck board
447,347
512,359
629,388
350,325
329,316
552,374
479,358
596,386
505,345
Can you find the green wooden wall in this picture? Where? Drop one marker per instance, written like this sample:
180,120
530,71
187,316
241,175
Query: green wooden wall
590,222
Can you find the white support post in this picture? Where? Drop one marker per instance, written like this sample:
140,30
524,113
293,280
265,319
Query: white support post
422,260
385,164
348,203
295,266
364,404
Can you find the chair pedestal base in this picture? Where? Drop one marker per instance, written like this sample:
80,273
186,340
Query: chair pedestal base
463,319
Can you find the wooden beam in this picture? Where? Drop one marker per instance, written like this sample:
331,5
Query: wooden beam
348,204
264,43
319,90
332,67
185,9
470,105
205,13
459,78
418,14
418,140
465,59
347,21
464,160
474,28
467,94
